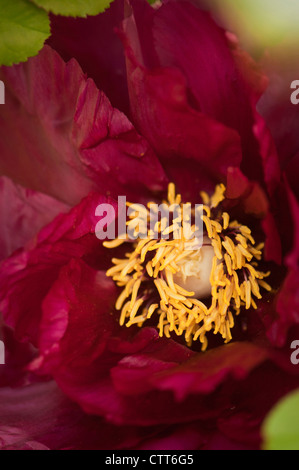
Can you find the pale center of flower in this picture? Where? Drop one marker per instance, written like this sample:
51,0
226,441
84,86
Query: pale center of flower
195,271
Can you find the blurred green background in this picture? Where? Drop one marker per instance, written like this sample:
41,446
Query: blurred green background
260,23
266,21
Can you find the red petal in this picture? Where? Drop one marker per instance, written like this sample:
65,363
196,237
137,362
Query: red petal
77,322
93,42
279,112
26,277
23,213
61,136
203,373
195,150
220,81
39,417
287,301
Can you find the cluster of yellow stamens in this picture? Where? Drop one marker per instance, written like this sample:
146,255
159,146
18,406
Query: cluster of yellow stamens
151,273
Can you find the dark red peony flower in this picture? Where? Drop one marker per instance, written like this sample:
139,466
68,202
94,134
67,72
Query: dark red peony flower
177,104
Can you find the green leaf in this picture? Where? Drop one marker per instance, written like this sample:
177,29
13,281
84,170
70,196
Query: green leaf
73,7
23,31
281,428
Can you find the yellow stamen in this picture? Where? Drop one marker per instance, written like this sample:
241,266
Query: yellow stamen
225,217
114,243
150,275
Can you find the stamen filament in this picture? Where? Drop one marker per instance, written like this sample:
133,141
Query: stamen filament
149,272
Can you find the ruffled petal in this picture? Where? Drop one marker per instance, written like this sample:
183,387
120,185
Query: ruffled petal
61,136
77,320
287,301
27,276
217,79
251,199
17,356
94,43
195,149
23,213
203,373
280,113
40,417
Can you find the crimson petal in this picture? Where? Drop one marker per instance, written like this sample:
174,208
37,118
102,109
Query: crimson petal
99,50
280,113
23,213
175,130
26,277
220,80
40,417
287,301
61,136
